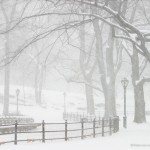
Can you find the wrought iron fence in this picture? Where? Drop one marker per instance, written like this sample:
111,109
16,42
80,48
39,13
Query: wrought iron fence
14,133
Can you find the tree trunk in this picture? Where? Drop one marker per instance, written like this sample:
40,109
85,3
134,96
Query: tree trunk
107,73
37,85
89,99
87,76
110,100
7,77
8,16
39,77
139,115
40,85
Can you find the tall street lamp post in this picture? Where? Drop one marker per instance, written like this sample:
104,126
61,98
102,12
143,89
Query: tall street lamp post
64,114
17,95
64,102
124,83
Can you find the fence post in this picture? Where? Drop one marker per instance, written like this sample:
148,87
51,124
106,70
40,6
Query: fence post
99,121
110,124
65,130
94,127
82,129
103,126
16,124
117,123
43,131
114,125
125,122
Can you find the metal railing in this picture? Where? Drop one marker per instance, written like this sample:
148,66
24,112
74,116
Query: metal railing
17,132
77,116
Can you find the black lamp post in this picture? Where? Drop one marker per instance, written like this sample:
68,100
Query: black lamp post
64,102
124,83
64,114
17,95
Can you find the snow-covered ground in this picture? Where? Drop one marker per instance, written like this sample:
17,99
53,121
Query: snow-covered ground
135,136
53,103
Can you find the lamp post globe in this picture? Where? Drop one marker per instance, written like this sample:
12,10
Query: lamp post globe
125,82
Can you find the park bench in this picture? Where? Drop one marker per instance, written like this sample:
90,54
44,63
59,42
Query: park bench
7,124
11,120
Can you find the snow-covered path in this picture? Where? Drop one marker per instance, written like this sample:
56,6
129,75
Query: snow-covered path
134,137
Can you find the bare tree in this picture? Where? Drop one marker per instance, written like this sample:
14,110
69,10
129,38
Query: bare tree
111,13
86,69
8,17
